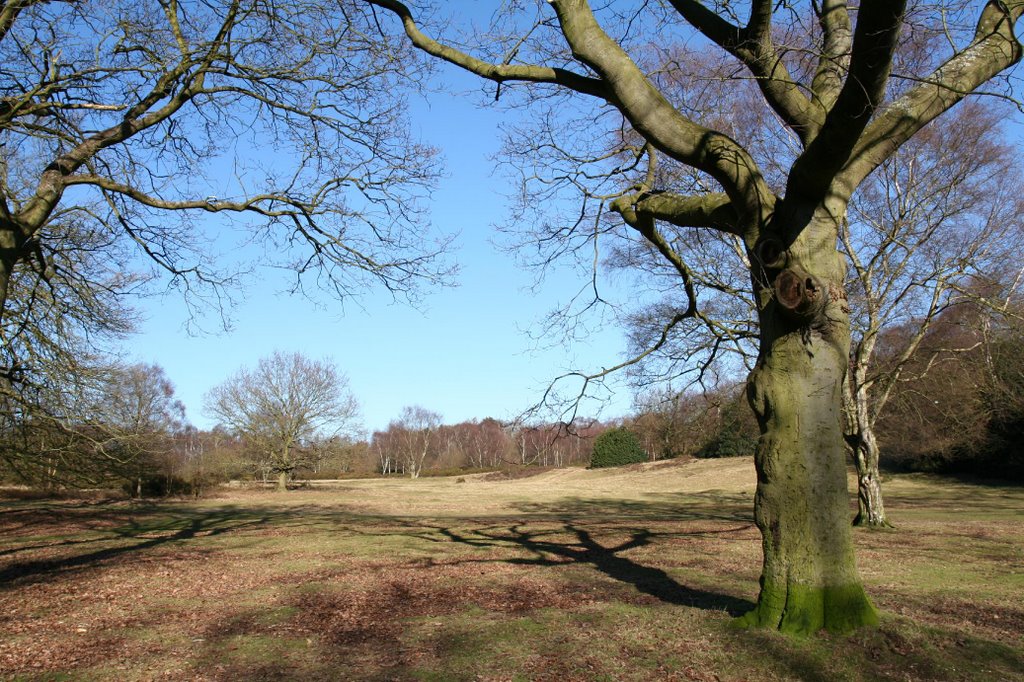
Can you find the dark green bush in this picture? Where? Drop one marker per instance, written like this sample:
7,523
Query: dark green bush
737,432
617,447
730,442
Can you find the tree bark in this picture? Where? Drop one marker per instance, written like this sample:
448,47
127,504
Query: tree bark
860,437
10,253
809,579
870,507
282,481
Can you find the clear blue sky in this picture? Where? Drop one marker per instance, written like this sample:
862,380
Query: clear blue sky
464,354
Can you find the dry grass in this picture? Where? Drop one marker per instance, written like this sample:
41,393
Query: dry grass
569,575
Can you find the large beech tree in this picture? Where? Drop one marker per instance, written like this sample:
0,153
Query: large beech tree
822,67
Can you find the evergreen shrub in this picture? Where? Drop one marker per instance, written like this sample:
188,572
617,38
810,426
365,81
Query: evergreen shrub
617,447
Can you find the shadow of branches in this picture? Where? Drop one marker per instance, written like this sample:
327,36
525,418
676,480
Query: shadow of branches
137,536
573,543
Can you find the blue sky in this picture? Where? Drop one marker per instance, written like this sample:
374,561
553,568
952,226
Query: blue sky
464,354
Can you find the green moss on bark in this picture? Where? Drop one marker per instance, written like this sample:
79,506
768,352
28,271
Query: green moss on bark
804,610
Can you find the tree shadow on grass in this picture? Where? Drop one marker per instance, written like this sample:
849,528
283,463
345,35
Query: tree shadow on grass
141,537
552,548
710,505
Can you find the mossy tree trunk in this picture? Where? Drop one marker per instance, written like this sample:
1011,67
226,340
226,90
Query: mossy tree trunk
809,579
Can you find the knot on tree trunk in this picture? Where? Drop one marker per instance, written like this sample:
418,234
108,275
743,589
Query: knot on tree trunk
772,253
800,295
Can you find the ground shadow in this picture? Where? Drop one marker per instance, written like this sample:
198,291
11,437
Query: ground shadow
711,505
573,543
138,537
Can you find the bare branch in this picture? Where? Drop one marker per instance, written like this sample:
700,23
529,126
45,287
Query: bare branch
754,47
874,43
498,73
993,49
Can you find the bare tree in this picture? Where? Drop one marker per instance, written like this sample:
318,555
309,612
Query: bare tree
138,121
282,406
413,437
382,444
940,215
135,420
822,70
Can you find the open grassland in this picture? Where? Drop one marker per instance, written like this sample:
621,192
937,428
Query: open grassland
568,575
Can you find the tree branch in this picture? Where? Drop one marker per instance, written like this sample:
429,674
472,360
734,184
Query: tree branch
251,204
754,47
708,210
837,39
995,47
874,43
657,120
498,73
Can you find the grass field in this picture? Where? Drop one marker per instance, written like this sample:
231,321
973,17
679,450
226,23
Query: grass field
567,575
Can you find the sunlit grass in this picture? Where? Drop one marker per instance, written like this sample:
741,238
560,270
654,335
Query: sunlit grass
571,575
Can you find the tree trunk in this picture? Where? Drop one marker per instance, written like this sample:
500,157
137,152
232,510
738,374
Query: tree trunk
13,241
870,508
809,579
6,271
285,467
861,437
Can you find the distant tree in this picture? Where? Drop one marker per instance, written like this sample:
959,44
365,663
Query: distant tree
383,445
960,400
671,424
558,445
489,444
99,424
134,422
413,437
732,431
282,406
1002,398
334,456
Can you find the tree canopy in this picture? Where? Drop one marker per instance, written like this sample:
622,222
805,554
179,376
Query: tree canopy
152,140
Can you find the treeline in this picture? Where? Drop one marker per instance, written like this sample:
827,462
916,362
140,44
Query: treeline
416,444
956,407
135,438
